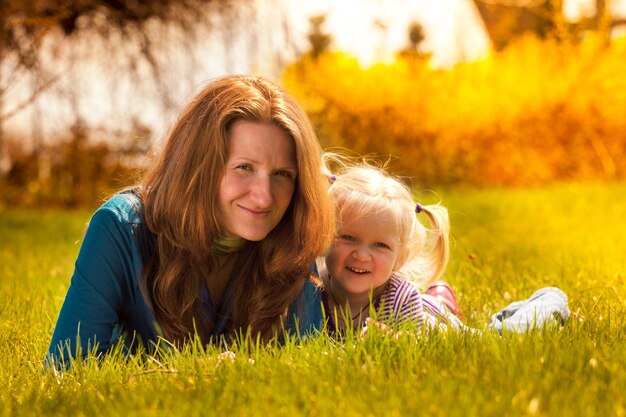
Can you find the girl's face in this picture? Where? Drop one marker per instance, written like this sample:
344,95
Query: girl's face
258,180
364,253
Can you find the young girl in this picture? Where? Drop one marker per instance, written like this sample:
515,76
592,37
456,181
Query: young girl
382,254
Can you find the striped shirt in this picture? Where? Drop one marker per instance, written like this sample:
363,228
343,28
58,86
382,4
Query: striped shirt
402,302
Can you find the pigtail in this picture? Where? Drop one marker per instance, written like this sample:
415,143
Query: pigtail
427,267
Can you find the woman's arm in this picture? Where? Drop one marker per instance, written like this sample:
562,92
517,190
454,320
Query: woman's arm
99,288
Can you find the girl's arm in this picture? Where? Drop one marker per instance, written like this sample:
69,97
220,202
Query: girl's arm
437,315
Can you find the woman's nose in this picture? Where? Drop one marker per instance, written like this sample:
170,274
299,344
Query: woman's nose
261,191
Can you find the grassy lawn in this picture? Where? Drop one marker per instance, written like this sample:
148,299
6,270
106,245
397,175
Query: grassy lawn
506,244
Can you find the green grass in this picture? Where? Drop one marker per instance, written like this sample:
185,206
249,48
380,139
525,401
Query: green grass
506,243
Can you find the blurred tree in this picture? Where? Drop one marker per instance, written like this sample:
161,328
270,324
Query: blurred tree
26,24
416,35
319,40
506,20
414,48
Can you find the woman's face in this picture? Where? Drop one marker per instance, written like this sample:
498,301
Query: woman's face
258,179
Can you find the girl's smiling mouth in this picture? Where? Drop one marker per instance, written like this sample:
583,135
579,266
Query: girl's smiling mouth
357,270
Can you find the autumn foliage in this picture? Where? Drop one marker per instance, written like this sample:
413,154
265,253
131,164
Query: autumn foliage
539,111
74,171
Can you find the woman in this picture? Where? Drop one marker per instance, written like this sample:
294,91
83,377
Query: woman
217,239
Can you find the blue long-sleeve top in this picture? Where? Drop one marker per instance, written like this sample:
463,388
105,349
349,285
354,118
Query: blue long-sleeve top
105,302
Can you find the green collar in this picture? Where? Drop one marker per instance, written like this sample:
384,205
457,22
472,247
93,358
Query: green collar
228,245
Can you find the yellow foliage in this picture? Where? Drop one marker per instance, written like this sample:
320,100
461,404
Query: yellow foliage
536,112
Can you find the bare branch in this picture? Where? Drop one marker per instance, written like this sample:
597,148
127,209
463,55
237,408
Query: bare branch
514,3
147,53
27,102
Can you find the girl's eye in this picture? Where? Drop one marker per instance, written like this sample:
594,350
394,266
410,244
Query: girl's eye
347,238
382,245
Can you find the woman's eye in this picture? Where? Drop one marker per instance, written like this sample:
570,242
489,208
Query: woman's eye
245,167
286,174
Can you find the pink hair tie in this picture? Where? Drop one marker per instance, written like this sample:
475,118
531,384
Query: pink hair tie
332,178
418,208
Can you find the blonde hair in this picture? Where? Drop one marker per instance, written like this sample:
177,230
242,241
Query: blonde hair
180,197
366,190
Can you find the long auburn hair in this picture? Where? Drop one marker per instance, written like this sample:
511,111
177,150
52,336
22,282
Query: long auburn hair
180,200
